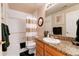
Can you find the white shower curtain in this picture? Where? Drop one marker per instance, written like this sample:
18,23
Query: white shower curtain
31,25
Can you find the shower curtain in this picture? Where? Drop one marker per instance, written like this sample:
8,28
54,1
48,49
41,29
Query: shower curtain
31,25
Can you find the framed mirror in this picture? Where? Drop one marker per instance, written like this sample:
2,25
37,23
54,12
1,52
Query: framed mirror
40,21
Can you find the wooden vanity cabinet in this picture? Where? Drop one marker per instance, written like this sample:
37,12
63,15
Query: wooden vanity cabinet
39,48
51,51
43,49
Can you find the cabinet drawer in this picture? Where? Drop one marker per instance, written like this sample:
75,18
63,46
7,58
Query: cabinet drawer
52,51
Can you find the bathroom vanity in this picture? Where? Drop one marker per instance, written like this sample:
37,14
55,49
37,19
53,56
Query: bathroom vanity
65,48
43,49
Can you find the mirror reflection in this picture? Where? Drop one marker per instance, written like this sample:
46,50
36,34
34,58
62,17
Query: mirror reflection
62,21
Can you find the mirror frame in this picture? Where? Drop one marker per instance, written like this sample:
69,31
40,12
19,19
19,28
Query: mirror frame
40,18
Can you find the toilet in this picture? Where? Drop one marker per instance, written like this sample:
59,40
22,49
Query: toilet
30,45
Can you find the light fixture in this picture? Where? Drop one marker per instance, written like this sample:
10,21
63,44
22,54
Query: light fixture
49,5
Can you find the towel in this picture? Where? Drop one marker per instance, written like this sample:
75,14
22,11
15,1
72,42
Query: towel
5,36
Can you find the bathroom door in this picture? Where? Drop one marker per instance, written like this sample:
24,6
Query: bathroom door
71,27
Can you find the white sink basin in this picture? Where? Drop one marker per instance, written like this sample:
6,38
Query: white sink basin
52,40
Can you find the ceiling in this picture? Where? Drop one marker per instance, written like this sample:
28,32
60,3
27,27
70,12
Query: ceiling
25,7
32,7
57,7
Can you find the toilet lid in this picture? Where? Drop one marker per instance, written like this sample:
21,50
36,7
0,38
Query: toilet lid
30,43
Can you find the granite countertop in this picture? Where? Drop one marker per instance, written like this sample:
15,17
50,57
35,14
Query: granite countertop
66,47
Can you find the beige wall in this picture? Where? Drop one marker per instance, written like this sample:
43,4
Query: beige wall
64,11
40,13
40,30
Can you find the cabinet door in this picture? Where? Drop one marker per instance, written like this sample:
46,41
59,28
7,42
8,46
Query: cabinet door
39,51
52,51
39,48
47,54
71,19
